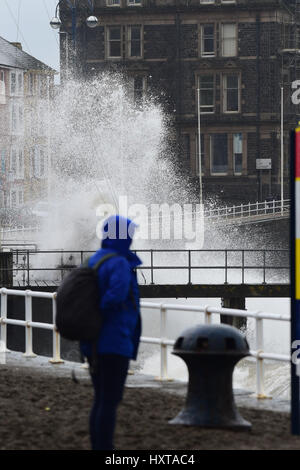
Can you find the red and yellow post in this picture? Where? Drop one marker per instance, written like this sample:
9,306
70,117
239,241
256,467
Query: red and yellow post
295,279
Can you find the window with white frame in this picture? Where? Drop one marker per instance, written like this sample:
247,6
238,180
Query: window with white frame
20,197
114,42
231,93
38,162
2,88
42,119
13,83
17,118
134,2
207,40
42,86
229,39
238,153
13,198
16,83
20,83
31,84
135,41
113,3
219,154
139,88
17,163
206,84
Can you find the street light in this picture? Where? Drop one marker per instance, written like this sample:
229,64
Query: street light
91,21
199,149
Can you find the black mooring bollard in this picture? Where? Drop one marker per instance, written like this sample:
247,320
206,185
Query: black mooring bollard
6,269
211,353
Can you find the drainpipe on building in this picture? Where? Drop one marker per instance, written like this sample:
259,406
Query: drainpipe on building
258,30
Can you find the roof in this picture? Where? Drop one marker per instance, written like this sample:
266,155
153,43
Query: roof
12,56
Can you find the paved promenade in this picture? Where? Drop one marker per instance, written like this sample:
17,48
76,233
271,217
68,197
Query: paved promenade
41,365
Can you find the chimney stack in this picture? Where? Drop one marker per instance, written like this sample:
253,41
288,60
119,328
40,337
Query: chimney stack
18,45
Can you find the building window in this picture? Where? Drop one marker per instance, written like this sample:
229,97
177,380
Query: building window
185,147
134,2
17,163
113,3
42,86
21,198
207,40
20,170
42,163
31,84
16,83
207,1
13,199
38,162
13,83
13,164
231,93
206,86
139,88
135,41
229,40
114,41
2,88
219,154
238,153
17,118
20,83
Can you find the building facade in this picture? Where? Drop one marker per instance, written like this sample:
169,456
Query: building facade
220,67
26,86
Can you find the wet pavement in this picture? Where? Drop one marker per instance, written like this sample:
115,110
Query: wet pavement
42,365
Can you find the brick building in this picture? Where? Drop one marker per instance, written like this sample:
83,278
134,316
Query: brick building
25,89
238,53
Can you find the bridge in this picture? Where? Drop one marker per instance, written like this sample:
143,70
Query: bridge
251,213
232,275
167,273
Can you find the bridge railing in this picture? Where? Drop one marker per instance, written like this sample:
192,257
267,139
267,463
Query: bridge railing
256,209
162,341
165,266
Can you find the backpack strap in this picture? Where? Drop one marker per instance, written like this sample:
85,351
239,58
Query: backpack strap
100,262
103,259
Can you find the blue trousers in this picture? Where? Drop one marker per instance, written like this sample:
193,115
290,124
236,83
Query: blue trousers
108,379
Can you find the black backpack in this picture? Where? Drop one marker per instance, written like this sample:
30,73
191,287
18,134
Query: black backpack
78,315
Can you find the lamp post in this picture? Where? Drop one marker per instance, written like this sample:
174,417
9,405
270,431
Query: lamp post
91,21
56,23
199,150
281,148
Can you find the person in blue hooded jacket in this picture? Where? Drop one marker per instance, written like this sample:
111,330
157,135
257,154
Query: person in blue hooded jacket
121,328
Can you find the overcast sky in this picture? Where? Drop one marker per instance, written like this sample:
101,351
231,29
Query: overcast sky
27,21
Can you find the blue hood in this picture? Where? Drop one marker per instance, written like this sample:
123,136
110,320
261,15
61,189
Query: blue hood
117,234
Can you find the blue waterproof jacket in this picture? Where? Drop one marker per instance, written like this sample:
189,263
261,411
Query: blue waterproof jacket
119,293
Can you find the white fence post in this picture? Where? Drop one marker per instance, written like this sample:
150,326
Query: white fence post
163,347
28,327
260,392
56,359
3,337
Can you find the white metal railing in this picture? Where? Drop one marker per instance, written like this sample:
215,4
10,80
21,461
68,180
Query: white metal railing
259,354
256,209
28,323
